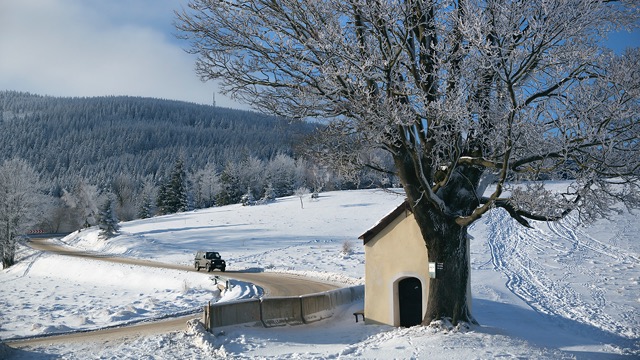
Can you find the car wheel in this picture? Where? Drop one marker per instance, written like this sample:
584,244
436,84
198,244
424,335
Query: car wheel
222,269
197,266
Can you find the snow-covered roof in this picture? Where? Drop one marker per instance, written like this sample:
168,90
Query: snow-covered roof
384,222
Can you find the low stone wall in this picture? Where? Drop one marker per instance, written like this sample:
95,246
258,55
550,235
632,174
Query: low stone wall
280,311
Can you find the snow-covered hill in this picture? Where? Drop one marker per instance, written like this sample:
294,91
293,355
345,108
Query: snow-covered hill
555,291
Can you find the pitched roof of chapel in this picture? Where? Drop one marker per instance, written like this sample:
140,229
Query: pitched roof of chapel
384,222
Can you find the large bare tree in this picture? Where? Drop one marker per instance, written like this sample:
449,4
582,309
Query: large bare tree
460,94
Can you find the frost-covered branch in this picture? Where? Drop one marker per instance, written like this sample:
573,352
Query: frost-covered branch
453,91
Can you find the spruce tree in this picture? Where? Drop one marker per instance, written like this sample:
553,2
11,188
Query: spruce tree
107,219
247,199
161,200
269,195
172,196
144,212
230,191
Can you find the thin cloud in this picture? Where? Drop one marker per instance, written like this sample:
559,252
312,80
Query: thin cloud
82,48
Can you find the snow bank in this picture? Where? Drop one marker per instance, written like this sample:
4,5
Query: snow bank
55,294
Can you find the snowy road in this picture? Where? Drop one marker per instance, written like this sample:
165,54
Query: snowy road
274,284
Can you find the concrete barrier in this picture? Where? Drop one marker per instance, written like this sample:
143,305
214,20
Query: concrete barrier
271,312
357,292
340,297
316,307
281,311
234,313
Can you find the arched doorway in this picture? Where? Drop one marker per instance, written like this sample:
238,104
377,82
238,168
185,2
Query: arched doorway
410,301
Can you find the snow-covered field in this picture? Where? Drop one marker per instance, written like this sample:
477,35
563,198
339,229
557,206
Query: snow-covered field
556,291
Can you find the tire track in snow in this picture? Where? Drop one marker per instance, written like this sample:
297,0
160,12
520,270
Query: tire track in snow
541,267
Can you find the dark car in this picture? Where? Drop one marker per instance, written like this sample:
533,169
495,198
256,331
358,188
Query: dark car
209,260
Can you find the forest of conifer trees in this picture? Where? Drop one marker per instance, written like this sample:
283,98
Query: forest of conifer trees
153,156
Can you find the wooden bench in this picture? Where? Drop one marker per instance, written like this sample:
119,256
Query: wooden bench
359,312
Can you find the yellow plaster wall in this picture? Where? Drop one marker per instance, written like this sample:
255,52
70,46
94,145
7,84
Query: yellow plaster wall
395,253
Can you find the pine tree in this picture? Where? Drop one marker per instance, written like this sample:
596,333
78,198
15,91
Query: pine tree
269,195
248,199
161,200
147,198
107,219
172,196
144,212
230,191
178,188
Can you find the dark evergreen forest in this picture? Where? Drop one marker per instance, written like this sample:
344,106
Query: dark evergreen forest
98,138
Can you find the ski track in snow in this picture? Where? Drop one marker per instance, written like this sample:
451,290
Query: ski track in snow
588,268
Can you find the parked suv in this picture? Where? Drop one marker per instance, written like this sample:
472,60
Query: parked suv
209,260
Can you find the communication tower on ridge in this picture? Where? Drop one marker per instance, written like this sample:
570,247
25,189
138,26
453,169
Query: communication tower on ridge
213,100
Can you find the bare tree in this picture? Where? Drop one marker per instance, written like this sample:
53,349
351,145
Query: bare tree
20,200
124,188
461,94
205,185
301,192
82,203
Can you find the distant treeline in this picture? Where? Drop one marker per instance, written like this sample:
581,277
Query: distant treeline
100,137
128,148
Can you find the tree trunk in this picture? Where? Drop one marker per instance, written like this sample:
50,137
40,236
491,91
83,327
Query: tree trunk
447,246
9,254
446,243
448,292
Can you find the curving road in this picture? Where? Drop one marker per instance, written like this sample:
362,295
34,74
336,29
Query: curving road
274,284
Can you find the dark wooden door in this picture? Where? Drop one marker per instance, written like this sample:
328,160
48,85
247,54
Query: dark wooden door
410,301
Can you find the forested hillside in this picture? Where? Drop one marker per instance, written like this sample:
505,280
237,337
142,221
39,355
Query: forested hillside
107,158
104,159
100,137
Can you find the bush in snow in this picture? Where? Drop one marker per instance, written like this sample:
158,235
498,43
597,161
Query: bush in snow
347,248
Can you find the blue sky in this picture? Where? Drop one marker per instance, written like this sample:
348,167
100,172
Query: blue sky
108,47
621,40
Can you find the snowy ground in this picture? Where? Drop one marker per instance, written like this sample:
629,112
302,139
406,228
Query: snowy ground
556,291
